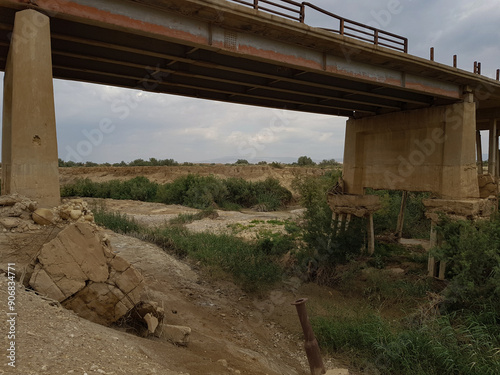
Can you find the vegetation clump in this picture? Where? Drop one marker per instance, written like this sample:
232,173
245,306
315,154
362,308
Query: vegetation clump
195,191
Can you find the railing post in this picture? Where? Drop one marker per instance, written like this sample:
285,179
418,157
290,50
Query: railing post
376,37
406,44
342,24
302,13
256,4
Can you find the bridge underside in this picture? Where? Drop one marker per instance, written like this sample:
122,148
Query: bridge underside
396,102
179,55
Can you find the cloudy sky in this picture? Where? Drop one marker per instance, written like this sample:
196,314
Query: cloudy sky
194,130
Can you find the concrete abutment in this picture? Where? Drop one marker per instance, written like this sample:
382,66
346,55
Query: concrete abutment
436,150
29,140
430,149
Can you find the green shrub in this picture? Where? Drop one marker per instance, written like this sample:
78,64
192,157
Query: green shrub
192,190
327,244
416,225
472,252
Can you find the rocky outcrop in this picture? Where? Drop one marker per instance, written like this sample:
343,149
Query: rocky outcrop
78,269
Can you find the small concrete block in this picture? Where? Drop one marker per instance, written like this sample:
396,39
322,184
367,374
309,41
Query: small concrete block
178,335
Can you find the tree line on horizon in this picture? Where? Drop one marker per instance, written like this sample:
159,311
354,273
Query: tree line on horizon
302,161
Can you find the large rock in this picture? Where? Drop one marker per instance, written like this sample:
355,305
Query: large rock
43,216
79,270
178,335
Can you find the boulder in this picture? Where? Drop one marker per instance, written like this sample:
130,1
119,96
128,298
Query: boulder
10,222
79,270
487,186
178,335
43,216
75,214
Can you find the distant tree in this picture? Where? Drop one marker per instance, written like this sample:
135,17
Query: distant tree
91,164
262,162
329,163
305,161
242,162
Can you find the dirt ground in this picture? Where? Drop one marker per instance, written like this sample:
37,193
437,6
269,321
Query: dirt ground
232,333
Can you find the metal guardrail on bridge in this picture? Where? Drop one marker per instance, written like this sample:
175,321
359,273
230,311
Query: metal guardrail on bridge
297,12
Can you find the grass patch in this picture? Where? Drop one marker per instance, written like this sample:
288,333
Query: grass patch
253,265
451,344
182,219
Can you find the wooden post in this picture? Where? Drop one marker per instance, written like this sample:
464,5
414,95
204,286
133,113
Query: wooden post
479,150
493,147
401,216
347,221
431,264
371,235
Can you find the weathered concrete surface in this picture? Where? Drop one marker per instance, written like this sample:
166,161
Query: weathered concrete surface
357,205
29,144
431,149
78,269
459,209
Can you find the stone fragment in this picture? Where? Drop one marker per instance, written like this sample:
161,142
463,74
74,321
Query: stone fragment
178,335
75,214
487,186
10,222
43,216
8,200
152,322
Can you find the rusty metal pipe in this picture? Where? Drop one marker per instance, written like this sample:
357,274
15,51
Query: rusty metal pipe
311,344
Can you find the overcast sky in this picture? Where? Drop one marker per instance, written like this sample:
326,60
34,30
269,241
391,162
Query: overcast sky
194,130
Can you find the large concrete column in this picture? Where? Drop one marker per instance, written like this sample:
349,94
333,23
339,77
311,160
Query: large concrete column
430,149
29,141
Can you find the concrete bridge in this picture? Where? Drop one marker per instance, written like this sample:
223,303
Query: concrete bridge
412,122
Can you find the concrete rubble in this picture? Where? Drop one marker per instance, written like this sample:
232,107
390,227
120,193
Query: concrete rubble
79,269
19,214
72,262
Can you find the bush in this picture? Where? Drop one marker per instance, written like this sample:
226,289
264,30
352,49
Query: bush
305,161
325,245
195,191
416,225
472,252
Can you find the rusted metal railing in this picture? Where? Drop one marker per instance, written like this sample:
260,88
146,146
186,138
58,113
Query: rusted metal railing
311,344
297,12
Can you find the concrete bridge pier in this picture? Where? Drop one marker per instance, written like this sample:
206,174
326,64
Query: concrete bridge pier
29,140
429,150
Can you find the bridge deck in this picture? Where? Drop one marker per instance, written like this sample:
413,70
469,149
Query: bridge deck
219,50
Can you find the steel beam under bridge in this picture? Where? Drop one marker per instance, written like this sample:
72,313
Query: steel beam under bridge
219,50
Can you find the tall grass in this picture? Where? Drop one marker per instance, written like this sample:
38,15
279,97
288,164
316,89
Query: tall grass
451,344
253,265
195,191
